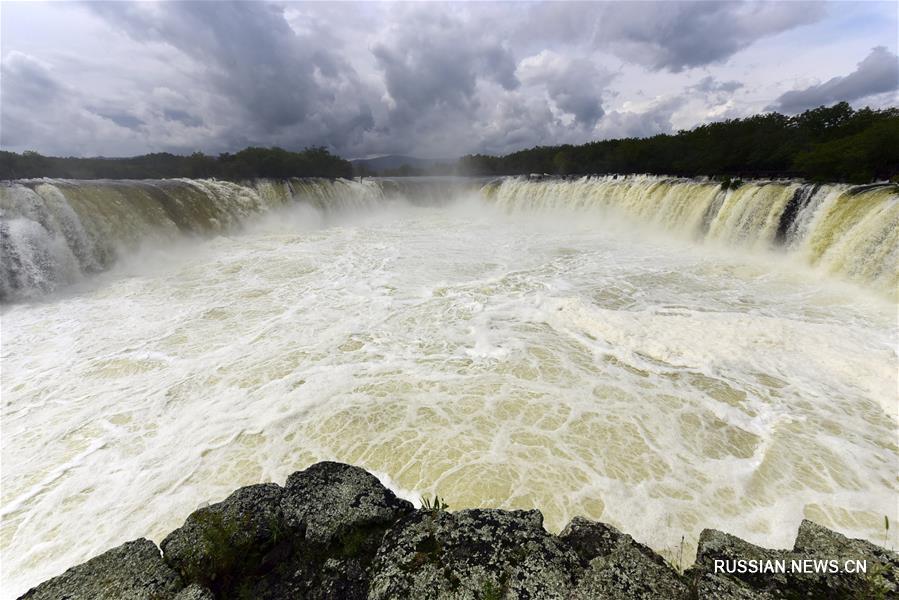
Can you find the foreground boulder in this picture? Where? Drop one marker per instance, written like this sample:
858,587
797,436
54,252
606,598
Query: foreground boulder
333,531
332,501
313,538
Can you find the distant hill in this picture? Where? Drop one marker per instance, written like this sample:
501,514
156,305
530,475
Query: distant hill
393,162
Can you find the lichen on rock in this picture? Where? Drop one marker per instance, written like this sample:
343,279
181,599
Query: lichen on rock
464,555
332,499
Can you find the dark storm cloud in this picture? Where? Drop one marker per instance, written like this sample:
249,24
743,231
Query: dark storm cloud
436,63
284,85
430,79
42,113
517,124
680,35
574,86
28,80
878,73
27,84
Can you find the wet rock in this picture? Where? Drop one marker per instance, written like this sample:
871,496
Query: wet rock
332,500
133,571
222,544
472,554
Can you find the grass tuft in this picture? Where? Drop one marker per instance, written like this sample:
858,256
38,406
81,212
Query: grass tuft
434,505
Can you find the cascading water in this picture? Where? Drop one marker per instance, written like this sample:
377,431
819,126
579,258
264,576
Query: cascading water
53,232
520,344
852,232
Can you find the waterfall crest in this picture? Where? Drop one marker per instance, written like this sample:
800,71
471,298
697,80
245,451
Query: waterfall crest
852,232
55,232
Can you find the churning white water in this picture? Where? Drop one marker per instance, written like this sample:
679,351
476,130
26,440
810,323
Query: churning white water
493,352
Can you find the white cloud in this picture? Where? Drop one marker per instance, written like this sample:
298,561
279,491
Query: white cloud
878,73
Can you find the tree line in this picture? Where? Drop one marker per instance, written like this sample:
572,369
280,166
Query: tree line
249,163
833,143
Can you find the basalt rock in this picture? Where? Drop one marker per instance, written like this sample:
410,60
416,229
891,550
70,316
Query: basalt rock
628,574
704,584
590,539
333,531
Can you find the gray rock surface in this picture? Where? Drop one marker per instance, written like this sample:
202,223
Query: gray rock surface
132,571
617,566
626,573
330,499
590,539
241,536
472,554
314,538
813,542
717,545
881,578
335,532
708,586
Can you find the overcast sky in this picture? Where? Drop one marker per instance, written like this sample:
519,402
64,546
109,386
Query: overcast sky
428,79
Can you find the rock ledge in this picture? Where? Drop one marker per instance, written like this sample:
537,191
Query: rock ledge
333,531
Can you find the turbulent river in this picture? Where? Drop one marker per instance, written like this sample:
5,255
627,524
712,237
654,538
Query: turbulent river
660,354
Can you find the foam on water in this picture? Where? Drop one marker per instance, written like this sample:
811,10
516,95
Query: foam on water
570,364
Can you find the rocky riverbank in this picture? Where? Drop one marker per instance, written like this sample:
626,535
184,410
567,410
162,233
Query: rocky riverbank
333,531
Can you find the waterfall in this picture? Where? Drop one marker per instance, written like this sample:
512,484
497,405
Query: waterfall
851,232
55,232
